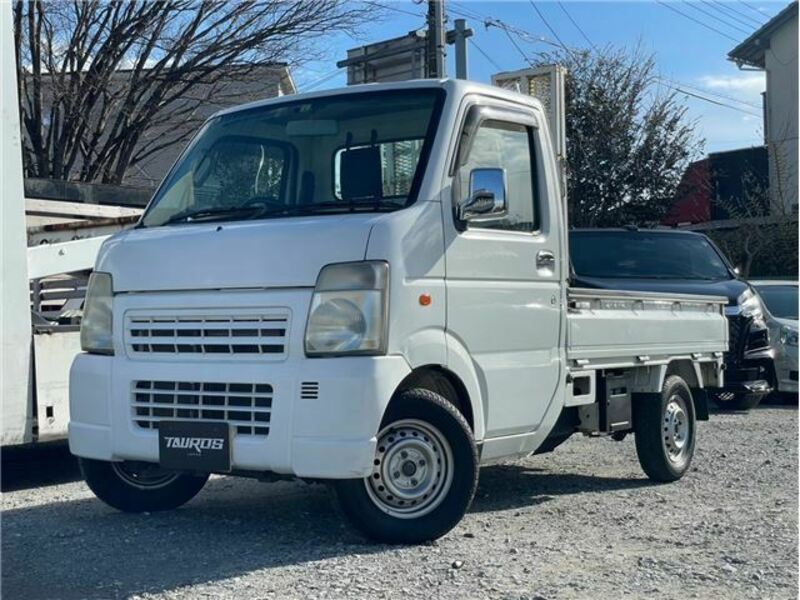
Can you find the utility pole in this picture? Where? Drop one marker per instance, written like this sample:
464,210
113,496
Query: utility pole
461,33
436,40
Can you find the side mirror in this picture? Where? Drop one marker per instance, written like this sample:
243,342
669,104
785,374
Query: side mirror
487,196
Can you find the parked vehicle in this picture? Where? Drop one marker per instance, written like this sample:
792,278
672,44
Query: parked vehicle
684,262
48,247
369,287
780,310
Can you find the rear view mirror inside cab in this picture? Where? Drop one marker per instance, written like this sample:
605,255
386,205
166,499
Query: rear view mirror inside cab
308,127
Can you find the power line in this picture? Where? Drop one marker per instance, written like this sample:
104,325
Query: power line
698,21
485,55
467,12
726,18
578,27
675,85
394,8
489,21
754,9
736,14
716,18
673,82
712,101
514,43
553,31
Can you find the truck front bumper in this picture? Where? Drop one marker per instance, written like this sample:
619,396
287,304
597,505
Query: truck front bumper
324,418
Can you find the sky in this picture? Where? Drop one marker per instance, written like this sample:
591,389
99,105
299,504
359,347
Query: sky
689,38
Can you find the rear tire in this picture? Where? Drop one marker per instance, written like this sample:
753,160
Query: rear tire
425,474
139,487
665,431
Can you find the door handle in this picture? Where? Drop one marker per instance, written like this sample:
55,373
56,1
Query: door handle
545,260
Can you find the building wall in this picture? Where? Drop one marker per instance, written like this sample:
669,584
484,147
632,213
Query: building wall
269,82
781,117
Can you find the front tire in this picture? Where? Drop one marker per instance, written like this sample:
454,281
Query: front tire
664,430
425,473
139,487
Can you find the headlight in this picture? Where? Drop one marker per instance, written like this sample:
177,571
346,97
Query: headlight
96,322
348,313
788,336
750,305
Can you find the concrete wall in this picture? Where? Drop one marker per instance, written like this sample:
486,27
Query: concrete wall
781,118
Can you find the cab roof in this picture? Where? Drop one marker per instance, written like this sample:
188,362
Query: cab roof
453,87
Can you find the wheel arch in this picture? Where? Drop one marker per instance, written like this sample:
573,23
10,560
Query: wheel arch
688,370
445,382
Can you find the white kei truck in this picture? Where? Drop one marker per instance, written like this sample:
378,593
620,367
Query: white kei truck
370,287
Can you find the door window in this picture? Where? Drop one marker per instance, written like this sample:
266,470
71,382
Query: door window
504,145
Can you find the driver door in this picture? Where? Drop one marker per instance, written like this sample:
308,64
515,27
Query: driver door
503,276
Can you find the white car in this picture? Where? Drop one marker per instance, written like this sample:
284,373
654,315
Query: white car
780,302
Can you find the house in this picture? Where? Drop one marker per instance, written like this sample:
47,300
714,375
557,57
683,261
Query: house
773,49
266,81
722,186
170,130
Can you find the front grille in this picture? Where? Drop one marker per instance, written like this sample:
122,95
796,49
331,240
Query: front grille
201,336
245,406
737,326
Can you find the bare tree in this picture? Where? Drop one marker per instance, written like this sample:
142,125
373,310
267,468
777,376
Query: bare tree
96,76
628,138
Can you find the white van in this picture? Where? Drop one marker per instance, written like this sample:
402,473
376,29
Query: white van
369,287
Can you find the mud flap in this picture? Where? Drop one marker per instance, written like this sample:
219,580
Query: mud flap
700,397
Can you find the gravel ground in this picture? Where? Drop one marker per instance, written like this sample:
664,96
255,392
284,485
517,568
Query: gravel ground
579,523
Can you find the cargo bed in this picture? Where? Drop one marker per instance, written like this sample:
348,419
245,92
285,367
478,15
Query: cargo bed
614,329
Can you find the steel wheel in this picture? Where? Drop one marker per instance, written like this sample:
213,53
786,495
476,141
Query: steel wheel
676,428
665,430
413,469
144,476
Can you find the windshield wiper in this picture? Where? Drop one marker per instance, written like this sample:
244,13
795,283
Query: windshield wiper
329,207
256,210
209,214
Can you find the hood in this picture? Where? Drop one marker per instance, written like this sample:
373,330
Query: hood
730,288
245,254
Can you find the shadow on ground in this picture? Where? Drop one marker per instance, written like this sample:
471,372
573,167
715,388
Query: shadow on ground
515,486
82,549
25,467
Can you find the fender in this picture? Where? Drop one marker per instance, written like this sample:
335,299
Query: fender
460,363
425,347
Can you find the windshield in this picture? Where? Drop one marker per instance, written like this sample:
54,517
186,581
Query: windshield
645,255
781,300
327,155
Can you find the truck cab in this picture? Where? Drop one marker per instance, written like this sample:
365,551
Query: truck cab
369,287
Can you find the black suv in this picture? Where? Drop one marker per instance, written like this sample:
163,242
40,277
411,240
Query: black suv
684,262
